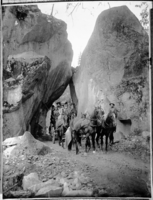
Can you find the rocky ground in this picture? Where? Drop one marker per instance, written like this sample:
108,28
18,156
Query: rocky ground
39,171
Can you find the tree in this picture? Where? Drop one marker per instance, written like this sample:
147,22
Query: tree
70,8
52,10
74,6
144,6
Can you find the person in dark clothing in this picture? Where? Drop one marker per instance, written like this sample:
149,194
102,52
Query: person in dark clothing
53,121
53,134
114,113
68,114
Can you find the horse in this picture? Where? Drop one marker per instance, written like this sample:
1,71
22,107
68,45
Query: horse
60,133
75,138
61,128
82,126
98,118
108,128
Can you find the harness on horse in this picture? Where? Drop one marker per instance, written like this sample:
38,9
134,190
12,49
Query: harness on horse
93,122
106,125
111,117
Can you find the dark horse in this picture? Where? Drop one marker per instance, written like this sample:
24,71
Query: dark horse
97,119
60,133
61,129
108,128
80,127
83,127
89,131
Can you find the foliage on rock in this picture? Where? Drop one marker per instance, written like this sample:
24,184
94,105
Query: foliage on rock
19,12
144,14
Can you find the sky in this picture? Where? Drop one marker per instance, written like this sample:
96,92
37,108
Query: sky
81,23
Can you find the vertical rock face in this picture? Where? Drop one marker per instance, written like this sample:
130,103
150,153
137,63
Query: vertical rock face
25,28
70,92
114,67
37,67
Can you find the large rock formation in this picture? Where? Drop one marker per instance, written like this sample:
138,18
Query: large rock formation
37,67
70,92
114,67
25,28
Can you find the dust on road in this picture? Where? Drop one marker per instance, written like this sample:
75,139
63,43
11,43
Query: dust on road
118,173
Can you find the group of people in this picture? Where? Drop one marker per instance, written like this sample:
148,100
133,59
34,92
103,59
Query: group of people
60,115
64,116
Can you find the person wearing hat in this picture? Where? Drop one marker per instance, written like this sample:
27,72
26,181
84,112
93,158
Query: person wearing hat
113,112
65,113
53,133
113,109
52,119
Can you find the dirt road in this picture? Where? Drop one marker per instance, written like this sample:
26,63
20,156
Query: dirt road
124,171
120,174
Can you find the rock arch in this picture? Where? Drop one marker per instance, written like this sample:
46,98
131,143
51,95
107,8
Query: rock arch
37,67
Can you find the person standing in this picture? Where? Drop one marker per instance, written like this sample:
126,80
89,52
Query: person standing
113,111
52,119
71,130
48,121
66,114
53,133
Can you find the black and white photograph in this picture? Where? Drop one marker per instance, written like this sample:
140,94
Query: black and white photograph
76,99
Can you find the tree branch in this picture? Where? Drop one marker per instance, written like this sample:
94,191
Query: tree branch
52,10
74,8
109,4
